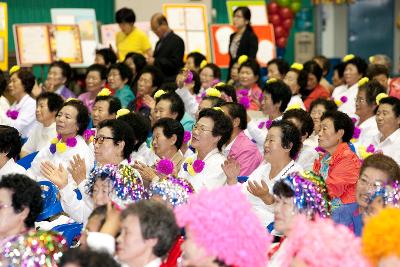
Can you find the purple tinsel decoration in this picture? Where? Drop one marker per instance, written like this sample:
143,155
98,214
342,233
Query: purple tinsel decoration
370,149
198,165
52,148
343,99
245,101
12,113
165,166
88,133
357,132
187,136
71,142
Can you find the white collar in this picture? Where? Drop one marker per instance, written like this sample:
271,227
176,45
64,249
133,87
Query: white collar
391,138
154,263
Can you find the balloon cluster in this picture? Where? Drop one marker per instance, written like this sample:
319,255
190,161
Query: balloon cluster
281,14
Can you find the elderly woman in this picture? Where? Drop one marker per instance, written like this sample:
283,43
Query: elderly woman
314,89
21,114
388,121
345,95
211,131
96,76
10,147
365,109
296,79
119,77
21,203
338,164
280,147
249,74
210,74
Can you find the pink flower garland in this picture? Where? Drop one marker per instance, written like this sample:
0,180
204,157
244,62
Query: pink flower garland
88,135
243,98
198,165
165,166
12,114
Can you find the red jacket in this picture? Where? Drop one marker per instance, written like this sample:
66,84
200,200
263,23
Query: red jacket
343,172
318,92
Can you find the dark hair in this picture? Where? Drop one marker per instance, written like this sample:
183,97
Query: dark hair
27,79
283,66
222,125
168,87
54,101
282,189
215,69
383,163
329,105
279,92
341,121
197,83
340,69
253,65
10,141
394,102
121,132
246,15
139,124
197,58
236,110
114,104
171,127
162,20
377,69
360,64
313,68
100,211
124,71
302,77
326,65
290,135
215,101
156,221
108,55
66,70
306,122
138,59
155,73
125,15
176,104
372,89
101,69
229,90
87,258
82,118
3,82
26,193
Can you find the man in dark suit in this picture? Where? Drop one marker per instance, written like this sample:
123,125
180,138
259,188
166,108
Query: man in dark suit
169,50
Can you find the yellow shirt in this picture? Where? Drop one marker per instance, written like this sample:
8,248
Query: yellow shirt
137,41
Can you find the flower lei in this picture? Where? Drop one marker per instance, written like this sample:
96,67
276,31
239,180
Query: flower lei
58,146
193,166
165,166
365,152
356,134
88,135
12,114
265,124
243,98
341,101
187,136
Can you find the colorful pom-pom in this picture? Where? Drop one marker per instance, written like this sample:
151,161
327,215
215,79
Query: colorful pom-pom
357,132
187,136
203,63
14,69
244,101
213,92
293,106
104,92
242,59
218,109
362,81
379,97
297,66
165,166
272,80
122,112
61,147
159,93
348,57
12,114
71,99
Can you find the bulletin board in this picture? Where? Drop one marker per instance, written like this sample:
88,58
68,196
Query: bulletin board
85,18
3,37
220,43
45,43
258,11
189,21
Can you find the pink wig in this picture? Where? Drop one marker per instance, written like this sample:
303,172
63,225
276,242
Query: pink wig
222,222
322,243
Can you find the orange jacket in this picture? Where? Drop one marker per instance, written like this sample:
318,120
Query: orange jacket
343,172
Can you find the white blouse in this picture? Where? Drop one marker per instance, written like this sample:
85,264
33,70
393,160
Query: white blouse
390,146
306,157
349,107
144,155
369,129
212,176
266,212
26,117
39,138
11,167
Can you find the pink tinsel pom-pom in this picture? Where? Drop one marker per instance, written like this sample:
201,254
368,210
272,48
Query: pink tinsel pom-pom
343,99
268,124
198,165
261,125
245,102
71,142
187,136
243,92
165,166
357,132
370,149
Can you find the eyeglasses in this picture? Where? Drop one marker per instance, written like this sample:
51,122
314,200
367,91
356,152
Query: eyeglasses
100,140
200,128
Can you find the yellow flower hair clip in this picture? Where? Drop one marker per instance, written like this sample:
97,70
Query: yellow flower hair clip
348,57
242,59
213,92
379,97
104,92
371,59
71,99
297,66
362,81
122,112
14,69
203,63
159,93
220,84
272,80
293,106
218,108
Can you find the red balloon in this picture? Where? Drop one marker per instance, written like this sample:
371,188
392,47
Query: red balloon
281,42
287,24
272,8
275,19
279,32
286,13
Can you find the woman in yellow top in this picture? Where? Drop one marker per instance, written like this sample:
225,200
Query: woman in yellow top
130,38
